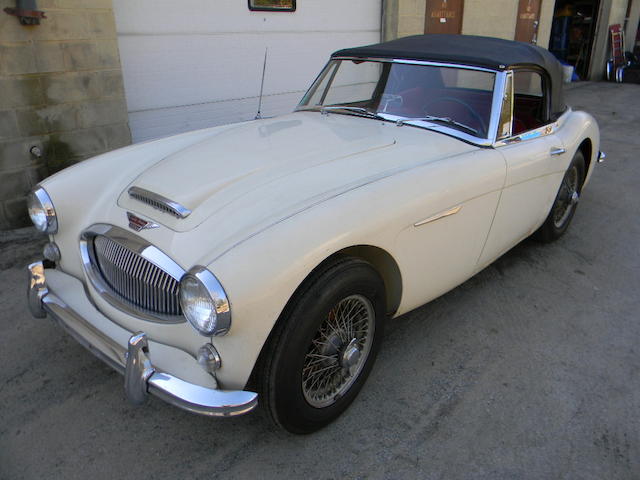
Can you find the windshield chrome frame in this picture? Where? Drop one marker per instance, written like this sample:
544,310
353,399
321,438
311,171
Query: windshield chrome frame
499,87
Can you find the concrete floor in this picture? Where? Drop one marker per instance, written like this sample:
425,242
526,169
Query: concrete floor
531,369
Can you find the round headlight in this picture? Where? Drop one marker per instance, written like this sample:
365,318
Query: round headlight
204,302
41,211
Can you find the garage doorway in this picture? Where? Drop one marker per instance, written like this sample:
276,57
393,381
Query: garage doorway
573,33
443,16
528,21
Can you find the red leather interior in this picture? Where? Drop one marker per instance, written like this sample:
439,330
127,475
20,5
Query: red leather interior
450,102
526,113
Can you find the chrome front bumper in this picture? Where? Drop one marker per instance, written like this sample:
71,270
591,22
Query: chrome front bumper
141,377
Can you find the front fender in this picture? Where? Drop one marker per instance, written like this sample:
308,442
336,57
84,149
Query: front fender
261,273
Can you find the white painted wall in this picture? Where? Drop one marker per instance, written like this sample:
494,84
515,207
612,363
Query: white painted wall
197,63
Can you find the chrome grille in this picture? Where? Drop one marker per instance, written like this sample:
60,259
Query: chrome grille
135,279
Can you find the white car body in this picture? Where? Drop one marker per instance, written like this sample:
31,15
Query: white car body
272,199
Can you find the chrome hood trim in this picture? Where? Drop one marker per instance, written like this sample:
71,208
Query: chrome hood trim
159,202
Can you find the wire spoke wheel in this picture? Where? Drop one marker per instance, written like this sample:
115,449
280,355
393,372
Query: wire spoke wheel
567,197
324,348
339,351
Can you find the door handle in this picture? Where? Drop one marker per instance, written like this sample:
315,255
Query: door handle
557,151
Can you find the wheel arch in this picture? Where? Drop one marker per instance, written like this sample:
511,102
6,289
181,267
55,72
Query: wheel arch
586,147
385,265
381,260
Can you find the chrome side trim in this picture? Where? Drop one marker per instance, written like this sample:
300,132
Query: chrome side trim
438,216
148,379
159,202
137,245
535,133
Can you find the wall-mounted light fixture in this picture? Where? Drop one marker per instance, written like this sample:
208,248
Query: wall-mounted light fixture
27,12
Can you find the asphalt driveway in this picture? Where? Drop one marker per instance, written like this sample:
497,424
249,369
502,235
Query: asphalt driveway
531,369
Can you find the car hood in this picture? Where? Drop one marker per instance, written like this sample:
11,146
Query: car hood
260,172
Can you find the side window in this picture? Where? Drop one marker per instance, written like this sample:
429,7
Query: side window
530,101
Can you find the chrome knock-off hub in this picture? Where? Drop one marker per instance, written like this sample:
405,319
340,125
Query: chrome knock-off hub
339,350
350,355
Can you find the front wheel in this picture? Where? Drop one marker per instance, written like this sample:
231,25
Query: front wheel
324,347
565,203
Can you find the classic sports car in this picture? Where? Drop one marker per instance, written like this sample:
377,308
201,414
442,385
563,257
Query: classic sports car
260,260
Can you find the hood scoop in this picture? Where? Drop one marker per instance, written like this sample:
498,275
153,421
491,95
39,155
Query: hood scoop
159,202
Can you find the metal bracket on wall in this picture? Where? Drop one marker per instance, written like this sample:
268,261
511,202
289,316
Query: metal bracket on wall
27,12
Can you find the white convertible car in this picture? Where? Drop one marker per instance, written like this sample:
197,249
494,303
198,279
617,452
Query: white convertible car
258,262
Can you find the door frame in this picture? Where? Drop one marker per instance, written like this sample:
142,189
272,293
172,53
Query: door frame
537,28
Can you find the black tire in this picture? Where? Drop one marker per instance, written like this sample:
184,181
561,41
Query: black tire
303,339
565,203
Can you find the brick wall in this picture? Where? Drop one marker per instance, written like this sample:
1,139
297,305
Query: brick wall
61,90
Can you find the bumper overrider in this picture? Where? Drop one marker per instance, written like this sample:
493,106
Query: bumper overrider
141,378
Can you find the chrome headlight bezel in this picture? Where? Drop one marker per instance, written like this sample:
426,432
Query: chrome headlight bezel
220,307
39,204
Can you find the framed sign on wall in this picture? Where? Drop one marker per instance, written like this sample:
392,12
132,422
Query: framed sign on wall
272,5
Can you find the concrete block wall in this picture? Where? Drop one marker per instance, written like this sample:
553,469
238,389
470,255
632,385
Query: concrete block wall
61,90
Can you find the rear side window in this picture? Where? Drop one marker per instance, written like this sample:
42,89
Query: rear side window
530,101
528,83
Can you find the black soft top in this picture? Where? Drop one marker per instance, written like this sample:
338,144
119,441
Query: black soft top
477,51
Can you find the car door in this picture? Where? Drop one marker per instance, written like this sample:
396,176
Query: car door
448,224
529,153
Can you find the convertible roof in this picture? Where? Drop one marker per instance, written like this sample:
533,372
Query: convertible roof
488,52
477,51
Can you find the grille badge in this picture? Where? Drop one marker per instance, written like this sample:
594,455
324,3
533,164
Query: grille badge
136,223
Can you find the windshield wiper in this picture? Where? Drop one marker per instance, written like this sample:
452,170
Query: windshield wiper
359,110
432,118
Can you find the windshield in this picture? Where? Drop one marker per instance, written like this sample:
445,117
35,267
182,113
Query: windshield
456,97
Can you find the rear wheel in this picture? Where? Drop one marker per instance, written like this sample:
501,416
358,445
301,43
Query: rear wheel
566,202
323,349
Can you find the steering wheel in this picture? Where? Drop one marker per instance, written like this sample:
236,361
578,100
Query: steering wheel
472,112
